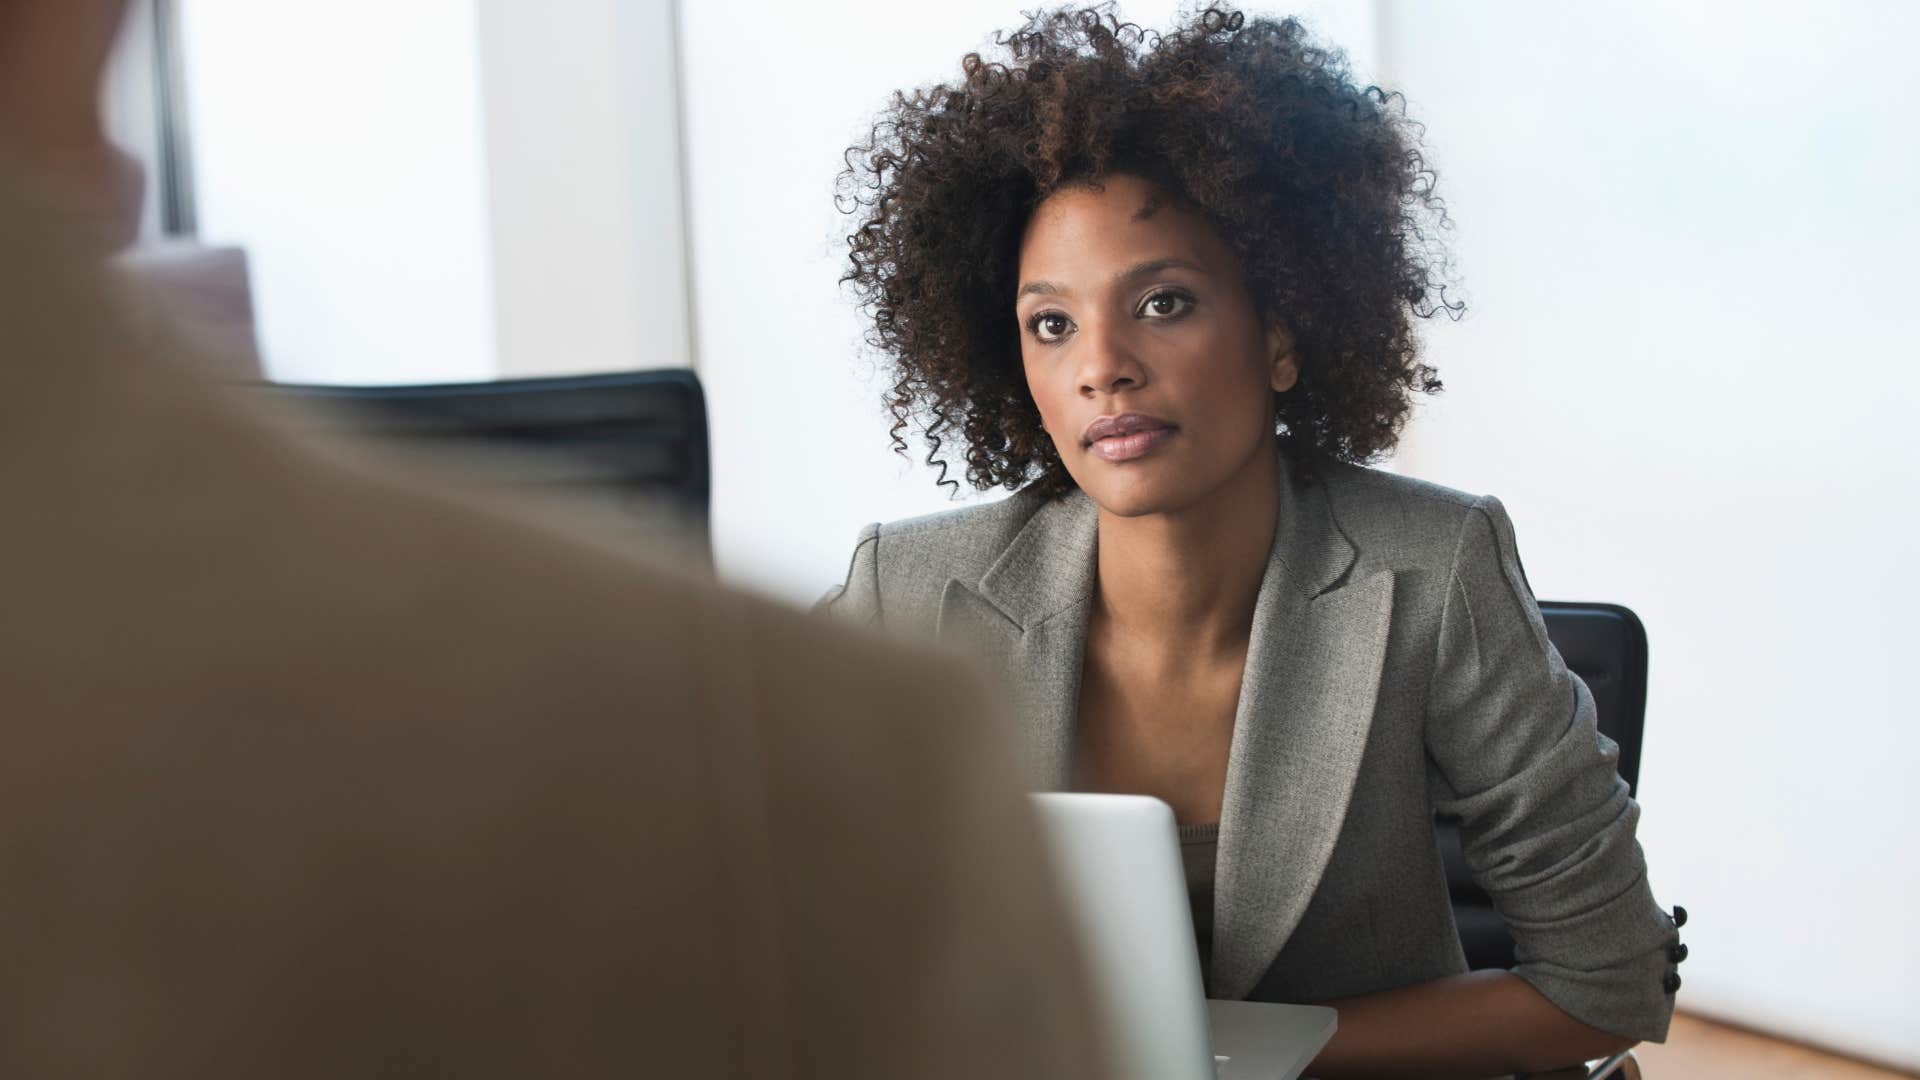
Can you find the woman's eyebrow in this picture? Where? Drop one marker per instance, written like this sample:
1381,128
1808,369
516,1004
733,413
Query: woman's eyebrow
1154,266
1131,273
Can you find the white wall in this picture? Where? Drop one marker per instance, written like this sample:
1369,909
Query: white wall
445,190
129,108
1689,372
800,446
340,144
583,172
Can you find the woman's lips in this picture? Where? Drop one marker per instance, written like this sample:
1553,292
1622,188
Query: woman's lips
1131,446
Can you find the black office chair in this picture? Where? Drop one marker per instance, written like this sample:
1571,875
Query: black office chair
636,439
1606,646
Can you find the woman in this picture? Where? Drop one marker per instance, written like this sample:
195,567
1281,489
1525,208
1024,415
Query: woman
1165,287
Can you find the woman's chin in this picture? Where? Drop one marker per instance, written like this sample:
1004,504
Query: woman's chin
1137,495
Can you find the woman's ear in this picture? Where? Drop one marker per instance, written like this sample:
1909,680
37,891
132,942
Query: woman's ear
1283,360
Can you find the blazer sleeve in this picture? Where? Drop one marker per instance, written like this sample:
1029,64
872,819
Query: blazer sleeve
857,600
1546,821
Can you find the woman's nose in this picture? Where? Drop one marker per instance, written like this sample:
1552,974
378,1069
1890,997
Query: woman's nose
1107,362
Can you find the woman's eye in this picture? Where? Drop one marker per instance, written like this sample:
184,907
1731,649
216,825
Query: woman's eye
1166,305
1049,326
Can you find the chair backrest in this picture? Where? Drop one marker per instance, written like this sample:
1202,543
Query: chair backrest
1606,645
639,437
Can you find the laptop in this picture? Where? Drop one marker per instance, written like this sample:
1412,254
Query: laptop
1119,861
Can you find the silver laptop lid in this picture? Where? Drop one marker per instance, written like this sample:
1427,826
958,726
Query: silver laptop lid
1119,863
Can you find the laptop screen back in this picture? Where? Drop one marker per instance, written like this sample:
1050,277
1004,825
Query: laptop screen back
1119,861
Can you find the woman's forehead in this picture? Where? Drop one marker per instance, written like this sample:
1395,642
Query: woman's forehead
1086,237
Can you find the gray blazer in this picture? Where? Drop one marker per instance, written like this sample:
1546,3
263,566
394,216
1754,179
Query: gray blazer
1398,666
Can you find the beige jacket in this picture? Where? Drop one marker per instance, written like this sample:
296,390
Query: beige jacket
309,774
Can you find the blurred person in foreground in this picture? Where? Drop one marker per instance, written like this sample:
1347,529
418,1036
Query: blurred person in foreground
309,774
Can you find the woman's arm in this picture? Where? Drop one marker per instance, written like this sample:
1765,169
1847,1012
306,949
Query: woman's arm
1546,822
1484,1023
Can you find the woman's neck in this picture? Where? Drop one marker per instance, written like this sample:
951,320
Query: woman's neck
1191,576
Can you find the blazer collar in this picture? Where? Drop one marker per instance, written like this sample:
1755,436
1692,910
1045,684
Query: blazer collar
1306,699
1306,706
1027,616
1050,565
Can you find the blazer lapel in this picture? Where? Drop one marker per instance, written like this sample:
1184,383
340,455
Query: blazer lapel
1306,699
1028,615
1306,702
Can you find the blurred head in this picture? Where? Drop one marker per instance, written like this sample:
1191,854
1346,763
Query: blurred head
1304,197
1151,370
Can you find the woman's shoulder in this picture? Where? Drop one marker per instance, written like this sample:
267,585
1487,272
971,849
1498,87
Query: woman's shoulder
903,566
951,540
1401,519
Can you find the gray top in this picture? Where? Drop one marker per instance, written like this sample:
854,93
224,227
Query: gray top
1197,846
1398,666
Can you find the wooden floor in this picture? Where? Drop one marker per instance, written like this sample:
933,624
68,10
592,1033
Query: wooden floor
1697,1049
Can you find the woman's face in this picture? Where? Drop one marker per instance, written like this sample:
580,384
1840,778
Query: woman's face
1151,367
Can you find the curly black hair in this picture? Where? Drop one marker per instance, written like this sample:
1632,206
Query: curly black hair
1317,185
